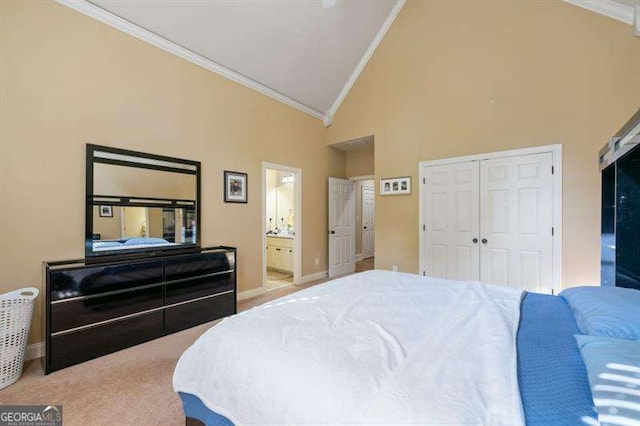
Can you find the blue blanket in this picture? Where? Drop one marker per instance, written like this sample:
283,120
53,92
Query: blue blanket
552,377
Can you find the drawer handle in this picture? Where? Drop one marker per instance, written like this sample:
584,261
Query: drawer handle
106,293
136,314
181,280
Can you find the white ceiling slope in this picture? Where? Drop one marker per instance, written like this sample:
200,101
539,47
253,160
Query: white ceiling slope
299,52
621,10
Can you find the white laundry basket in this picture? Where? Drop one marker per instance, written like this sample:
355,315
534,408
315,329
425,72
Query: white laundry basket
16,310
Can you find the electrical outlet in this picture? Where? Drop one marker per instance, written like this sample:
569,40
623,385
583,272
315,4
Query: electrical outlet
317,262
394,268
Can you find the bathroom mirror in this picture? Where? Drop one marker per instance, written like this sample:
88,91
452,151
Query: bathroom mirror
279,202
139,202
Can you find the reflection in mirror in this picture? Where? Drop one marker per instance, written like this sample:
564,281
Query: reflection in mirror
142,227
140,201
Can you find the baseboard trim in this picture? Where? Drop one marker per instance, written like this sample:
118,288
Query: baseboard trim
359,257
34,350
314,277
248,294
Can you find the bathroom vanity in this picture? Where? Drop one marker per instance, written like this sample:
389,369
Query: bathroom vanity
280,253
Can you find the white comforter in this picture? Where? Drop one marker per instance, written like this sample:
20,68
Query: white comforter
375,348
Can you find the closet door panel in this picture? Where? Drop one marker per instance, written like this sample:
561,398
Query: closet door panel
451,221
516,222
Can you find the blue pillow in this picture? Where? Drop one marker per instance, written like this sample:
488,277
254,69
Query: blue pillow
606,311
105,244
145,240
613,368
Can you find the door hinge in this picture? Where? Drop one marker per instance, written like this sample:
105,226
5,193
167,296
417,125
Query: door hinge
552,170
424,273
552,231
424,180
424,227
553,292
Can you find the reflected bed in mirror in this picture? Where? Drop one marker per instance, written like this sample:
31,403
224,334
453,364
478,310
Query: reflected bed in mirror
138,202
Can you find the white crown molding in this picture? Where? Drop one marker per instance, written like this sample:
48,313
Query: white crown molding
117,22
363,61
610,8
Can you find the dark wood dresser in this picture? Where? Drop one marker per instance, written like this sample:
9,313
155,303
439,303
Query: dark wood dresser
93,309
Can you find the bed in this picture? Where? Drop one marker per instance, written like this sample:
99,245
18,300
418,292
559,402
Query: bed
384,347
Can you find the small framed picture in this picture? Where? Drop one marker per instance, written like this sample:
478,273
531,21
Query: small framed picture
395,186
105,211
235,187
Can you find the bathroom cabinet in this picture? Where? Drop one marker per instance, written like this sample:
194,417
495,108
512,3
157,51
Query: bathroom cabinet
280,254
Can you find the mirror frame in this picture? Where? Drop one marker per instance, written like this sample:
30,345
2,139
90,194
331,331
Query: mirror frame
194,169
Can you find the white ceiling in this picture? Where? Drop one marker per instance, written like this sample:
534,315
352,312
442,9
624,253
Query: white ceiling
621,10
296,48
296,51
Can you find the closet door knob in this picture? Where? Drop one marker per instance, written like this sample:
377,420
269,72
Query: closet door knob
484,241
475,241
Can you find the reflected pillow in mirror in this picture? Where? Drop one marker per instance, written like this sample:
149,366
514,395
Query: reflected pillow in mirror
139,241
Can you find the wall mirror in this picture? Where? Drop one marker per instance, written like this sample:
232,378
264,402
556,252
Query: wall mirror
138,202
279,202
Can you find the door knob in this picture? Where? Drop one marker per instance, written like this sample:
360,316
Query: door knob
475,241
333,232
365,227
484,241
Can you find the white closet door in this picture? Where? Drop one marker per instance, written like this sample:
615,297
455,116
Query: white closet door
368,222
451,221
342,224
516,222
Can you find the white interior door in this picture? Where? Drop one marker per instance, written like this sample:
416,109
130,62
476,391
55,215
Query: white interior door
342,226
451,221
368,222
516,221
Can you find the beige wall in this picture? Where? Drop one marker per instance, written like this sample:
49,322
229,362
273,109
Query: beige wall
68,80
466,77
360,161
369,183
155,225
109,179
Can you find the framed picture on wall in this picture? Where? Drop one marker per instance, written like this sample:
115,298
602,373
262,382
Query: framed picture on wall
395,186
235,187
105,211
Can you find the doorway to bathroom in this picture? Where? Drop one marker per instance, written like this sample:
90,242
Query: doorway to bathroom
281,225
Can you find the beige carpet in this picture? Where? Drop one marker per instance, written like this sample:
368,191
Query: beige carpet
129,387
365,265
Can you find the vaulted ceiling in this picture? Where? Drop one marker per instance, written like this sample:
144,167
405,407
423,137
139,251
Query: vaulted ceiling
305,53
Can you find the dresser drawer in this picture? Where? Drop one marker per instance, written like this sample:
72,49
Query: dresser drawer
190,314
94,280
82,345
190,266
192,288
71,313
